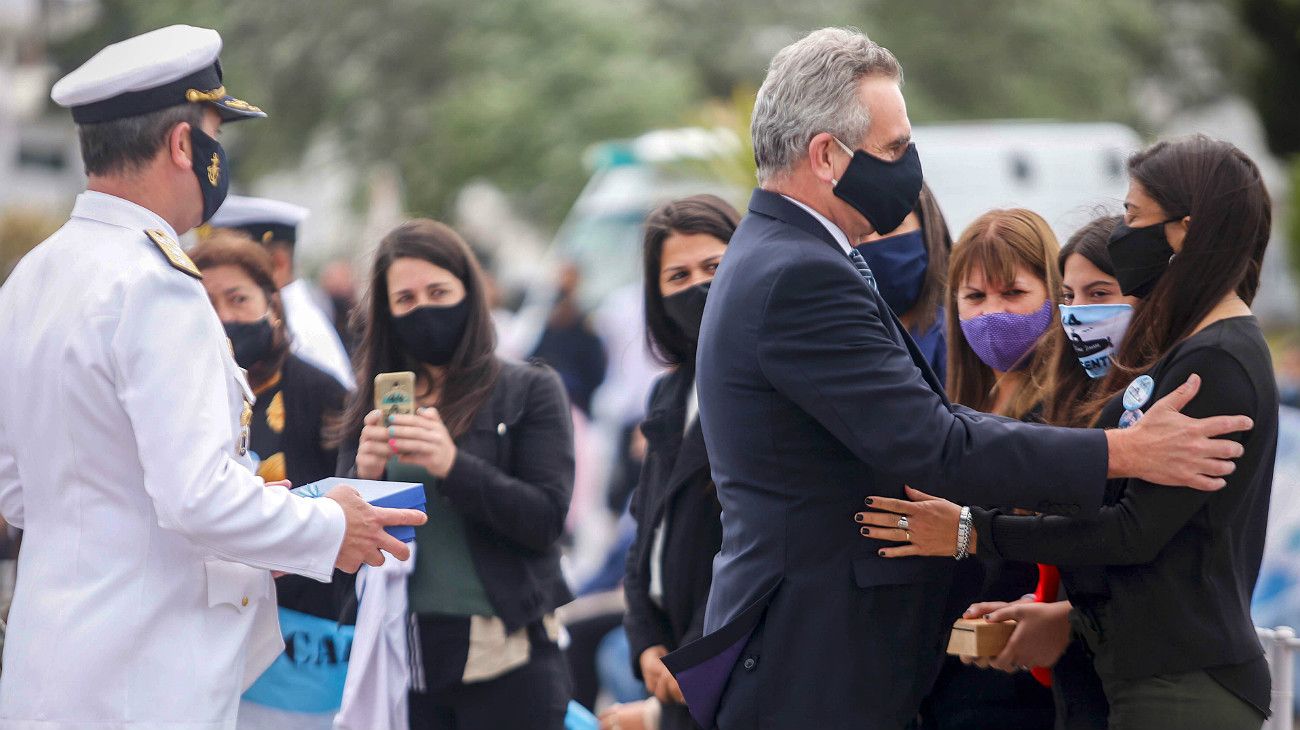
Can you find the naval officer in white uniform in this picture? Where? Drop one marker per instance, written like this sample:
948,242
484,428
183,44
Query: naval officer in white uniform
274,224
144,595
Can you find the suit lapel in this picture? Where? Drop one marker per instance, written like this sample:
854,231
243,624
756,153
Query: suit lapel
774,205
691,458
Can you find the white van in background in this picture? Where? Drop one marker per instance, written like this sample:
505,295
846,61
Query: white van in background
1067,173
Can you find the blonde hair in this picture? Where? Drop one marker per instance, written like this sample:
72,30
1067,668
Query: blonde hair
996,244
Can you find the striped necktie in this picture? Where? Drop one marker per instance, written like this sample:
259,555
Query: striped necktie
861,264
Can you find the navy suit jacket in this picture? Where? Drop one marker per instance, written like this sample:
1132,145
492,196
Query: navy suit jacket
812,396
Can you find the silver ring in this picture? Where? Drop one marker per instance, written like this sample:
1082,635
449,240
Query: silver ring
902,523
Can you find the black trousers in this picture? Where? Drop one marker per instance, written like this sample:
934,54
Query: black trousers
532,697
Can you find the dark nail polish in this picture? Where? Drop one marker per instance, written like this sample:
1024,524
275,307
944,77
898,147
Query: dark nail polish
859,517
867,501
866,531
881,553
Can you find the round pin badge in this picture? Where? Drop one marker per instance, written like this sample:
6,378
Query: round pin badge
1138,392
1130,417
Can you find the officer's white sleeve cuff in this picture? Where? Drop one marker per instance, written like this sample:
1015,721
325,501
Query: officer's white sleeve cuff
321,567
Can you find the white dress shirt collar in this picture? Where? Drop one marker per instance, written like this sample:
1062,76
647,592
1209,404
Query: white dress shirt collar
119,212
839,236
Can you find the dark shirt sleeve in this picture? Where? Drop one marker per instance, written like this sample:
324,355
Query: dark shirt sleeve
529,506
644,622
825,346
1134,529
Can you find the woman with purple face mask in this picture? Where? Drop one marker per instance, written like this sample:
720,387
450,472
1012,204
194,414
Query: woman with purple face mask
1003,291
1003,287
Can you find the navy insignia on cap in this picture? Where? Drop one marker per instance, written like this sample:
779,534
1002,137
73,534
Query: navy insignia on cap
150,72
172,250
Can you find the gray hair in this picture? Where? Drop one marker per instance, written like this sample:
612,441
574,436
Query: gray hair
124,145
812,87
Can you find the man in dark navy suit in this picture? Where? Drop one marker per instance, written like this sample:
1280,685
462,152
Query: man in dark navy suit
812,396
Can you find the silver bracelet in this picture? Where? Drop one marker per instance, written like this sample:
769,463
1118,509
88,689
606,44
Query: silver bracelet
964,525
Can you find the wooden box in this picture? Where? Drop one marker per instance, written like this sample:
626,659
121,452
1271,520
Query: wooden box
979,638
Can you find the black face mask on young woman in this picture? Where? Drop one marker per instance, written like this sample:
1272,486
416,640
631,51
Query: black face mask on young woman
883,192
1140,256
686,309
251,341
431,334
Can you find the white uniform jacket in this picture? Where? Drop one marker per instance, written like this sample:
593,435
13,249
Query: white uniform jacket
313,337
143,597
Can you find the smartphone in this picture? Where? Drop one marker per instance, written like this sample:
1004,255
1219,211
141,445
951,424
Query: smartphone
395,393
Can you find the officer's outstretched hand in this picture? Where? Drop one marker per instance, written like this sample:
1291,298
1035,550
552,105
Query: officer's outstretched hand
365,536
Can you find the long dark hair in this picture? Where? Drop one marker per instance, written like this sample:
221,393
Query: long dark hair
707,214
938,245
1070,401
1221,190
473,368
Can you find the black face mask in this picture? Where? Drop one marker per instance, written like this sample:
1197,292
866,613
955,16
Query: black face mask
1140,256
251,340
883,192
686,309
210,168
431,334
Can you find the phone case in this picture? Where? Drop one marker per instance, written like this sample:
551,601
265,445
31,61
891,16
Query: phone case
395,393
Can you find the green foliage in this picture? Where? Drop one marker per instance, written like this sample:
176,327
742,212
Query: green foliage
448,91
20,231
1275,77
513,91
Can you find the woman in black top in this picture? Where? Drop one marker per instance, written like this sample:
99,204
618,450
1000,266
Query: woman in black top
679,530
1168,618
289,435
493,444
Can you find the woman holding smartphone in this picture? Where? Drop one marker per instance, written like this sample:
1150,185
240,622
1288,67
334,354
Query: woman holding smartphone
492,442
1167,619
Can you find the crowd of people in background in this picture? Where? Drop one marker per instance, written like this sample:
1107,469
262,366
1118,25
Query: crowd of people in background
1134,617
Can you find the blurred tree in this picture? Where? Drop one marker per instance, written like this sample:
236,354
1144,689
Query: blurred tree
510,90
1275,24
20,231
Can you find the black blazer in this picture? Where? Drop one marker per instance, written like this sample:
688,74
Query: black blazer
512,481
674,481
312,398
812,397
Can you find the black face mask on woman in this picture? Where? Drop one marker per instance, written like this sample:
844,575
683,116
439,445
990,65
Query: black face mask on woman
686,309
1140,256
251,341
431,334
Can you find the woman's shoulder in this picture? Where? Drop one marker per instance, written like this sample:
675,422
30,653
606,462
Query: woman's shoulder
526,376
1235,339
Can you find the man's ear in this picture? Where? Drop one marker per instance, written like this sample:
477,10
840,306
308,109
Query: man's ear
180,147
825,157
282,259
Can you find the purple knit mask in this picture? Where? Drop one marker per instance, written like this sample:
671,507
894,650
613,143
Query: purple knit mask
1003,339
